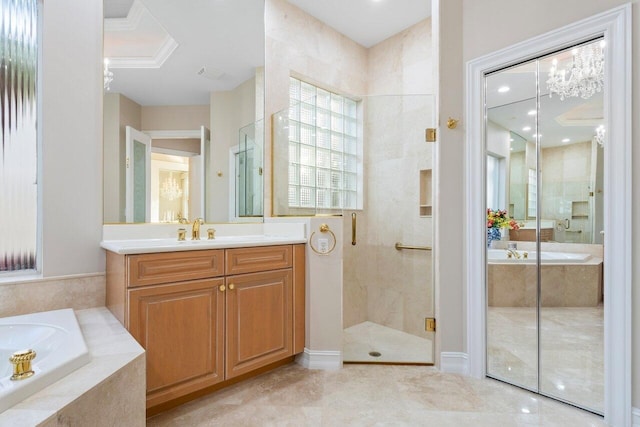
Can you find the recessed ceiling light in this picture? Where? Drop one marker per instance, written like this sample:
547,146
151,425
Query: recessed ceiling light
511,139
503,89
532,113
566,140
526,128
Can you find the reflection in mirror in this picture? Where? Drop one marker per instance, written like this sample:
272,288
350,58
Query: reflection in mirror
544,171
174,78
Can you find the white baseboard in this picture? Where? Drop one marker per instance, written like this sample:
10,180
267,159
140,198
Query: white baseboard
453,362
318,359
635,417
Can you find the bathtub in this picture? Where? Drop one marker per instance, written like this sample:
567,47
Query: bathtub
59,345
502,256
568,279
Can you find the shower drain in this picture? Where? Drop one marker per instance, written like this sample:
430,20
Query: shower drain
375,354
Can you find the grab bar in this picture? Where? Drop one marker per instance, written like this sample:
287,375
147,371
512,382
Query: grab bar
353,228
400,246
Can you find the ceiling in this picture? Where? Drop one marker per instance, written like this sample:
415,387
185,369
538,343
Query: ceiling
218,45
367,22
559,122
163,53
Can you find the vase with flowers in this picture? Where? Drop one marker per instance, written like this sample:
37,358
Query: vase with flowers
497,220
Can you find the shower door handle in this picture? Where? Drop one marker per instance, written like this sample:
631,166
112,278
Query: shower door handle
353,228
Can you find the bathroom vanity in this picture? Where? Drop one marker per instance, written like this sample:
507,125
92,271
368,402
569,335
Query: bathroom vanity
209,317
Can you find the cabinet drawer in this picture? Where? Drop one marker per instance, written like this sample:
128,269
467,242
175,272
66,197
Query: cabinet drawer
151,269
249,260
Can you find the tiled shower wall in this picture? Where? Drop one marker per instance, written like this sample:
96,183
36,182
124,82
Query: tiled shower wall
383,285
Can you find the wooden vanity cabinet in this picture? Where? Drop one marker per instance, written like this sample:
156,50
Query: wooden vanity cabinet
181,327
209,316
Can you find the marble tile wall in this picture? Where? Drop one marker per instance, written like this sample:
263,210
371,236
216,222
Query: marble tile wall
297,44
389,287
379,282
515,285
108,391
77,292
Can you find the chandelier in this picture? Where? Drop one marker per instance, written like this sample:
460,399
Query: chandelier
585,76
170,189
599,135
108,75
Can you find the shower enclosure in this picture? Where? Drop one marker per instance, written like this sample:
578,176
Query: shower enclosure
366,159
388,297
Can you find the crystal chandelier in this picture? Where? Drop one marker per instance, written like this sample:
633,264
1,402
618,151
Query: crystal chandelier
108,75
599,135
585,76
170,189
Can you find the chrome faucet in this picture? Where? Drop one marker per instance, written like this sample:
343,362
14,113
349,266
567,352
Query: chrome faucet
195,231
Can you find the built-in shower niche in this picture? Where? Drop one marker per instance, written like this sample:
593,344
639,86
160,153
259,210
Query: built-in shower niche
426,198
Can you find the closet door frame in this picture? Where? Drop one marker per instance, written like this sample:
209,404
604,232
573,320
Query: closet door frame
615,26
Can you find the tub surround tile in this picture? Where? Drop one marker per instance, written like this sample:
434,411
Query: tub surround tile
515,285
109,390
77,292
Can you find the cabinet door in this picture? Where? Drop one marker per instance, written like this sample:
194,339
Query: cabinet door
259,319
181,327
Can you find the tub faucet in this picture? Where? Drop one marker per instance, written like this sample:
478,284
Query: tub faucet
513,253
195,231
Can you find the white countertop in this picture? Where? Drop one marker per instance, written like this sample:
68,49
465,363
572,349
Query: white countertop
151,238
141,246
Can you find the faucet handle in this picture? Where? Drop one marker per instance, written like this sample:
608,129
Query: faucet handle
182,233
211,233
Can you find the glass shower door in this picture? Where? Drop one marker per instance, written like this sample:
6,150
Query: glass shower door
388,296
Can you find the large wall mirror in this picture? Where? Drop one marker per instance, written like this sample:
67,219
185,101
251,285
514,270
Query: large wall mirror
545,147
183,111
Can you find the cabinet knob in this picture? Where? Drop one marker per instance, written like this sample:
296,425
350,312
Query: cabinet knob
231,286
222,288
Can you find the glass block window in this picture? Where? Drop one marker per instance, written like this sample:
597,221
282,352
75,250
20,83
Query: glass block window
18,142
323,148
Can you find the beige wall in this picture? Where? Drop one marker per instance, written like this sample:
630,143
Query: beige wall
119,112
71,138
464,28
174,117
230,111
111,140
71,134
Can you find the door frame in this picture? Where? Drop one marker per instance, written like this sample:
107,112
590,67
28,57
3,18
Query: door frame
615,26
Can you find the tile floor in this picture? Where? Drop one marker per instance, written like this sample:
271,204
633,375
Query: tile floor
392,345
571,351
373,395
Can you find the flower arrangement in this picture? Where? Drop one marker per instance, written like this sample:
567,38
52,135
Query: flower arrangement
500,219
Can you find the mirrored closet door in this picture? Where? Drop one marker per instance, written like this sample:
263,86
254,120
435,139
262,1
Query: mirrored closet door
544,141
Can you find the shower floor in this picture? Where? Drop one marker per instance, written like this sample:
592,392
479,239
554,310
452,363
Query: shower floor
393,346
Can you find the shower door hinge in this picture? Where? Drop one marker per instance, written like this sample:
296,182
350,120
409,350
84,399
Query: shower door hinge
430,134
430,324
